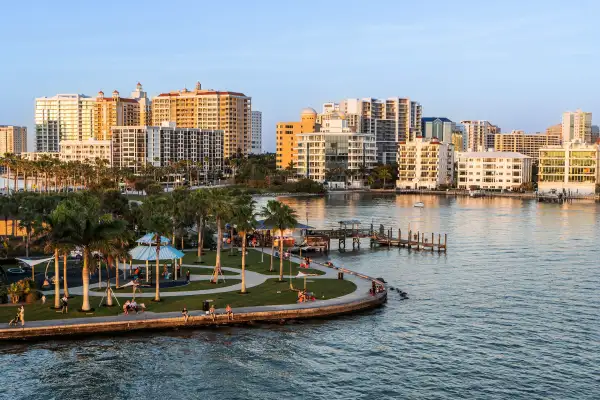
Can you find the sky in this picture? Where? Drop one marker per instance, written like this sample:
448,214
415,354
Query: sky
519,64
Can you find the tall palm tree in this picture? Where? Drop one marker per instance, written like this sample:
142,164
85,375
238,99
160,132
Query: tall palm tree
157,221
87,228
384,174
282,217
53,232
221,209
198,207
244,220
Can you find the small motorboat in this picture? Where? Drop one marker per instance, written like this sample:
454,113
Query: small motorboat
419,204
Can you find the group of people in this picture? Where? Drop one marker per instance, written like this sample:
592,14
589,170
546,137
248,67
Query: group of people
375,288
304,296
305,263
20,317
132,305
286,255
211,311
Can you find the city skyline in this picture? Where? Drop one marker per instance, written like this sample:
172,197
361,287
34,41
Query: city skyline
514,72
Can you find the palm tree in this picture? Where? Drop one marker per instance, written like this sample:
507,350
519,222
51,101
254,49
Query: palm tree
384,174
53,232
244,221
220,208
87,228
157,221
282,217
198,207
28,218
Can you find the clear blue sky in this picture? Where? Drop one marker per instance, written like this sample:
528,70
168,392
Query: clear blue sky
519,64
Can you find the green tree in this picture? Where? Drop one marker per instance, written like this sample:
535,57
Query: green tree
282,217
244,220
198,208
384,174
156,220
87,228
220,208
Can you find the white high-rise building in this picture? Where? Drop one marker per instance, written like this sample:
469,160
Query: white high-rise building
256,132
392,121
63,117
577,126
480,135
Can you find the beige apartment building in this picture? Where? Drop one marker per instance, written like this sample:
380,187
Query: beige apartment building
114,111
208,109
528,144
425,163
577,126
480,135
572,167
13,139
85,151
493,170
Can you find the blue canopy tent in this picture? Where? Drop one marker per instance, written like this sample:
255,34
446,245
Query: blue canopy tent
146,251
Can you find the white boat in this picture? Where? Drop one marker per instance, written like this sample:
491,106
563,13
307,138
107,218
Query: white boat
419,204
477,193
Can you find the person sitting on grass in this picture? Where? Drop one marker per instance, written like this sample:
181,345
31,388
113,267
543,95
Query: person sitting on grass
185,314
229,312
211,311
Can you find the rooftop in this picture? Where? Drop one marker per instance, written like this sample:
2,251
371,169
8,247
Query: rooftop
492,154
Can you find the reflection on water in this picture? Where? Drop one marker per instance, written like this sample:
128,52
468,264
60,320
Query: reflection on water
511,311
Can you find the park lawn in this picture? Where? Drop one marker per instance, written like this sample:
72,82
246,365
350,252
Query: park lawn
252,262
270,292
200,270
194,285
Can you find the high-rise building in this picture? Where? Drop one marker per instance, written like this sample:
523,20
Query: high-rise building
63,117
555,130
440,128
595,134
392,120
136,146
493,170
13,139
458,141
145,105
573,166
85,151
480,135
528,144
287,137
208,109
335,150
114,111
425,164
256,132
577,125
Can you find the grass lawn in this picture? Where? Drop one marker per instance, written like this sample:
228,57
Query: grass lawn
207,270
269,293
194,285
252,262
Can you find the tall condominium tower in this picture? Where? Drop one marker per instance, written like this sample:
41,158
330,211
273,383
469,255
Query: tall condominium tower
208,109
480,135
13,139
287,134
145,105
114,111
392,121
256,132
577,126
440,128
63,117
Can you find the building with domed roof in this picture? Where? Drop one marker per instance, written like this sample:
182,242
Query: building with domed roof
287,137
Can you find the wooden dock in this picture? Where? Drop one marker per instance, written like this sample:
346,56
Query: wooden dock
350,230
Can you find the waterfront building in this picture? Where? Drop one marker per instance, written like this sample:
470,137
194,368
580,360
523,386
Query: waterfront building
210,110
458,141
425,163
145,105
493,170
63,117
13,139
256,132
577,126
336,154
85,151
528,144
480,135
391,120
440,128
114,111
133,147
287,137
573,167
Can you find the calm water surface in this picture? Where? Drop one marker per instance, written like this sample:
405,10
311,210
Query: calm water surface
512,311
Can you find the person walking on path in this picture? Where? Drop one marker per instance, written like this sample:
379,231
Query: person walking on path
65,304
187,276
22,315
229,312
185,313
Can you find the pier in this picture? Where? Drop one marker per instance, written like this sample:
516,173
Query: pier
351,232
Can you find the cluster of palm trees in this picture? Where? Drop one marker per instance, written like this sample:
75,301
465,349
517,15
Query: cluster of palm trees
102,226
